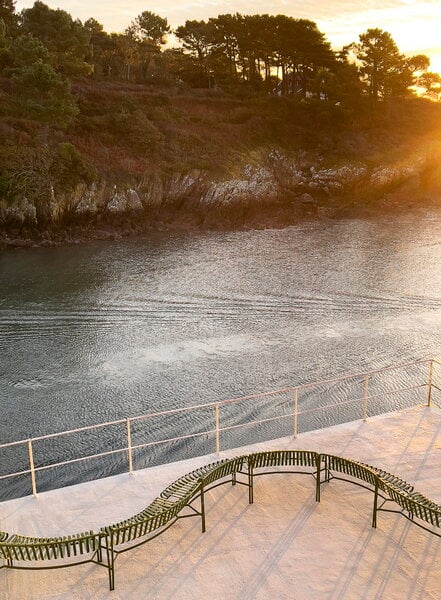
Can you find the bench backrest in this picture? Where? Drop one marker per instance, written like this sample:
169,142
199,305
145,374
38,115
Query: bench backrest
350,467
143,523
225,468
283,458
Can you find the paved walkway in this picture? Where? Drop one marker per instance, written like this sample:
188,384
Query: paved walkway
285,546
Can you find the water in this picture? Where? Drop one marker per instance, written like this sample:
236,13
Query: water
107,330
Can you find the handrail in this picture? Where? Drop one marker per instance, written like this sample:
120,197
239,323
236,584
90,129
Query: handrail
201,433
302,386
366,376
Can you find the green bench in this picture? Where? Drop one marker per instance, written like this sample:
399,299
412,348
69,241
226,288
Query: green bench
177,501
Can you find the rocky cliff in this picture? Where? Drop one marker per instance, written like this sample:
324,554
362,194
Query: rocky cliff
276,192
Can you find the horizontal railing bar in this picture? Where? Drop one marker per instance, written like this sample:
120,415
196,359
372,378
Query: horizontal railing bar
68,432
109,452
176,439
358,375
219,403
75,460
372,397
15,474
210,431
211,404
148,416
147,444
290,415
222,402
317,408
304,386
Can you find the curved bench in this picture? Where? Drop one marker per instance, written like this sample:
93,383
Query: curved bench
103,547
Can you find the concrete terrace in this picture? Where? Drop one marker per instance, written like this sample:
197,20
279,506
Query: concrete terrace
285,546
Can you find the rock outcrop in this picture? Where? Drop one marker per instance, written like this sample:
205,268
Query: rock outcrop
292,185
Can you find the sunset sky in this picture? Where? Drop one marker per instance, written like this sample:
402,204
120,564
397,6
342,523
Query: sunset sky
414,24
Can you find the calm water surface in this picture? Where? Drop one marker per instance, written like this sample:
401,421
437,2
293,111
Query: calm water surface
107,330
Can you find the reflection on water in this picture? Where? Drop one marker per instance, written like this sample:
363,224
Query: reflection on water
113,329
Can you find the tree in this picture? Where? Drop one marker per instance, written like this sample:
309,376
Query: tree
382,67
5,55
26,50
250,47
102,48
8,16
226,29
149,26
198,37
300,50
67,40
42,94
111,62
417,67
129,52
431,82
346,86
147,33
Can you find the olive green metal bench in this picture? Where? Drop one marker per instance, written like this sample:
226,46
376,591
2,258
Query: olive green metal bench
102,548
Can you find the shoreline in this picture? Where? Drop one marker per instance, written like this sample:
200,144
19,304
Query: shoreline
132,226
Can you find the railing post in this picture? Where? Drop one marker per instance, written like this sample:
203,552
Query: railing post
217,425
365,397
32,466
129,446
296,413
429,393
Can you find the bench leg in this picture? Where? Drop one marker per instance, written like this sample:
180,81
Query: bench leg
110,564
233,479
375,509
250,485
202,510
317,479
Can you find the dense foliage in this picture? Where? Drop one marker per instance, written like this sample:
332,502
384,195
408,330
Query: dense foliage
263,53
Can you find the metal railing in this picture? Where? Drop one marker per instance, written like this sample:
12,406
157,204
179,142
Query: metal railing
295,394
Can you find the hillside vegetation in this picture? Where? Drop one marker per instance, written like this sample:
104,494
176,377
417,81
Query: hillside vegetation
184,138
